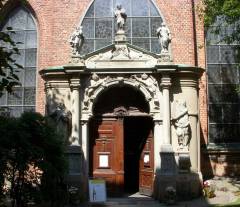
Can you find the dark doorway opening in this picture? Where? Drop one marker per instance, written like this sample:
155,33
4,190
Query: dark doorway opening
136,131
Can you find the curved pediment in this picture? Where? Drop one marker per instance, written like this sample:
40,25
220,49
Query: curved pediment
121,55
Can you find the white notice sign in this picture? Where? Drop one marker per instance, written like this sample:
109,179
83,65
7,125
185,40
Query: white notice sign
103,160
97,190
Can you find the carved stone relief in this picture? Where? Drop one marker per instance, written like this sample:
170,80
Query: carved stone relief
145,83
62,118
182,125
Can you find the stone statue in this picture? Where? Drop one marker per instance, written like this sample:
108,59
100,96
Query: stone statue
77,40
121,17
181,122
164,37
62,119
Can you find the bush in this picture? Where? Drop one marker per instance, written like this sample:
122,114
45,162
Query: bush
32,161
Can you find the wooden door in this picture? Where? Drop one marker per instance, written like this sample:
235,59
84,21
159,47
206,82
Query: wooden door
146,166
106,153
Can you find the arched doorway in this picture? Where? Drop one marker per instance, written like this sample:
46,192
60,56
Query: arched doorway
121,141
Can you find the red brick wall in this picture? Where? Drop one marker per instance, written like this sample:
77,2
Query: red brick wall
57,19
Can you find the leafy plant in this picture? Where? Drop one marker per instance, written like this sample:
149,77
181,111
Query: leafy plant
32,161
8,65
222,13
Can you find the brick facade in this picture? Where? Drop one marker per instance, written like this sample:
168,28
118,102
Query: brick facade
57,19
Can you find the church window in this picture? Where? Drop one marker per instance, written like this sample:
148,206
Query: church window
23,97
99,26
223,80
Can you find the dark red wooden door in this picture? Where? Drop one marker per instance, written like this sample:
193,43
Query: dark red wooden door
108,153
146,165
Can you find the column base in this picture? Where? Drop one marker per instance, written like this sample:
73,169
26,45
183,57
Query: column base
166,148
168,163
74,141
187,186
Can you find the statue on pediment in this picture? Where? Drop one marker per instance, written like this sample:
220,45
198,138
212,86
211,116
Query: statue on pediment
164,36
76,41
121,17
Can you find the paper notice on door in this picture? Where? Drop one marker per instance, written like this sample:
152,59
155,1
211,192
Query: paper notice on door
103,161
146,158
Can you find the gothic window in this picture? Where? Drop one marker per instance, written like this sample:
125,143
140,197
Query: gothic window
99,26
223,79
23,97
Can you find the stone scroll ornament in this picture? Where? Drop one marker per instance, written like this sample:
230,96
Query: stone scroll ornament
121,18
164,36
76,41
181,123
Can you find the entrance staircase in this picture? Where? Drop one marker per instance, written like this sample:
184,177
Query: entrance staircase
128,201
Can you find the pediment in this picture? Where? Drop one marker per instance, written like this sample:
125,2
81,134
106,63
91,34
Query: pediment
121,56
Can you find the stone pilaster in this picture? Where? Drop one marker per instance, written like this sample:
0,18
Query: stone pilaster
165,84
75,138
84,130
157,143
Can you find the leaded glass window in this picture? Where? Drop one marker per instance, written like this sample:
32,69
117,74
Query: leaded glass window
99,26
23,97
223,80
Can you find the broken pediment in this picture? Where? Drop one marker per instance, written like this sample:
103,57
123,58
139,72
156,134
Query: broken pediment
121,55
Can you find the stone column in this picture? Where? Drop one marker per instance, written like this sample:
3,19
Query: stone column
75,85
84,126
157,143
165,84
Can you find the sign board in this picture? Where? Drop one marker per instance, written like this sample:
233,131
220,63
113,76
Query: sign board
97,190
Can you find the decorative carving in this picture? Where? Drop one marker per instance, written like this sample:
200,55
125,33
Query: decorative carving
150,83
121,17
77,60
95,82
164,58
62,118
146,83
76,41
164,37
120,52
181,122
120,111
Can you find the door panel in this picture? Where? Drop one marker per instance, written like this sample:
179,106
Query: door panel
107,153
146,171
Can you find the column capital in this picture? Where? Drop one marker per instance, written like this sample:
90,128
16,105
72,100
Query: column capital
83,121
166,81
157,122
75,83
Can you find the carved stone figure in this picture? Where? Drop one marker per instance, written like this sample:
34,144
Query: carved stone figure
121,17
164,37
95,82
77,40
62,118
147,80
121,52
181,122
